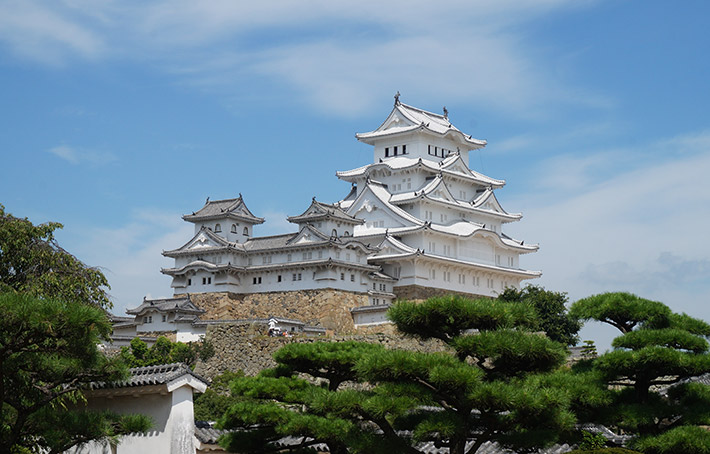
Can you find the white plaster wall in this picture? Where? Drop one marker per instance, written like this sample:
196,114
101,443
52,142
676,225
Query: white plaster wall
156,441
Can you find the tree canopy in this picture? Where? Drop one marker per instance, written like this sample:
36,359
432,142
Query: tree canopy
163,351
496,381
48,354
551,310
53,319
31,261
649,372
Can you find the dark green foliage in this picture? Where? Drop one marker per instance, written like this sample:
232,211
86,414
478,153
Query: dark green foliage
684,439
604,451
32,262
165,352
499,382
551,311
214,402
592,441
48,353
656,348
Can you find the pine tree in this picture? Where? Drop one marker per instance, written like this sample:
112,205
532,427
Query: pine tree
497,381
649,370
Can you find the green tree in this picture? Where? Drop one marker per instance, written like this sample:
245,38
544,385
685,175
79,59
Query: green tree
32,262
648,372
48,354
216,400
498,382
163,351
551,310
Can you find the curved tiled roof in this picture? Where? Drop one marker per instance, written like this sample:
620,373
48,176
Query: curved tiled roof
227,208
150,375
319,211
420,119
181,304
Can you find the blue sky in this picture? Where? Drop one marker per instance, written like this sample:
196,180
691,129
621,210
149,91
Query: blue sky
117,117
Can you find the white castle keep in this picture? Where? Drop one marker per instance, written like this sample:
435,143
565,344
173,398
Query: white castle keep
417,222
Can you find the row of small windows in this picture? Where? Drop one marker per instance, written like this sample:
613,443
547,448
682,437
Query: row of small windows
438,151
205,281
395,150
218,229
149,318
383,287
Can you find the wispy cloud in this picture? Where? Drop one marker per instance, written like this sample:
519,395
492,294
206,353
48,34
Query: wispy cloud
339,57
130,254
79,156
639,228
46,32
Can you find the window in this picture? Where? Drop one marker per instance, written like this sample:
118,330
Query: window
374,286
444,218
334,233
346,233
497,259
462,278
432,246
189,282
294,276
447,276
409,183
383,287
387,152
432,274
266,260
307,255
337,254
234,228
288,258
352,278
299,276
257,280
217,228
342,276
246,231
278,278
148,319
320,254
395,151
404,149
447,250
428,215
165,317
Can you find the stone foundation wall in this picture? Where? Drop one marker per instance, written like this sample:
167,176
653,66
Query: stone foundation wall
328,308
419,293
246,347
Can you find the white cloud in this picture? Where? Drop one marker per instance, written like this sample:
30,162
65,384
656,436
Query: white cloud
339,57
130,254
40,32
78,156
640,230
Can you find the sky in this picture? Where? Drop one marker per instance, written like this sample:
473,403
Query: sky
118,117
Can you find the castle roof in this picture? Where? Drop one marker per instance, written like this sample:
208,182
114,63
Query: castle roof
221,209
319,211
452,166
404,119
162,374
181,304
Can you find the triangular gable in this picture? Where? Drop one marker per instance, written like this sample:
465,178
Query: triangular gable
374,198
457,165
488,201
438,189
390,246
396,119
308,234
203,239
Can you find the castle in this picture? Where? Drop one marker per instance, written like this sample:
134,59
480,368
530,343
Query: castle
417,222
